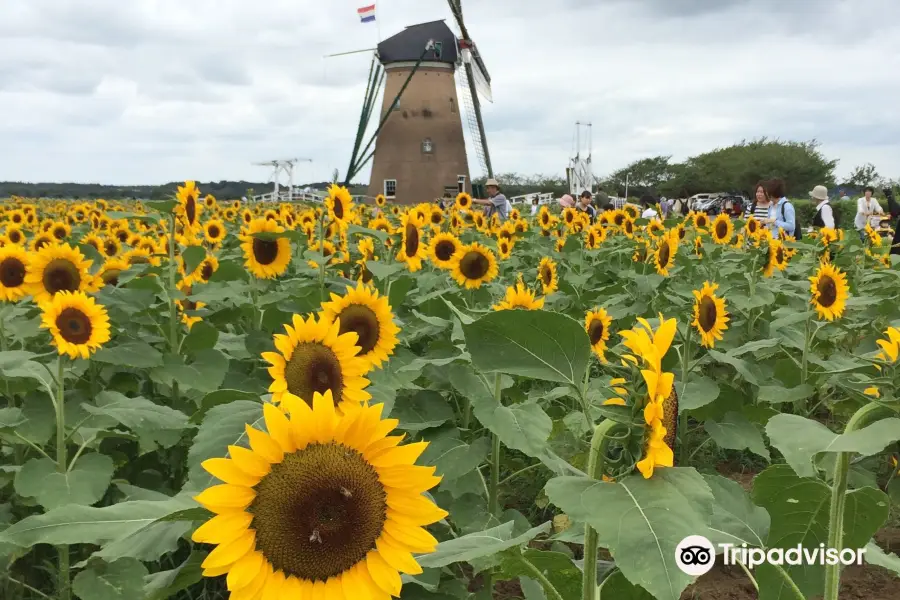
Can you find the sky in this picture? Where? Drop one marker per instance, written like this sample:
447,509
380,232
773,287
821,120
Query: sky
150,91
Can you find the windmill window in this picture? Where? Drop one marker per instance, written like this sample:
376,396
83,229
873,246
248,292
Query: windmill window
461,183
390,188
452,106
427,146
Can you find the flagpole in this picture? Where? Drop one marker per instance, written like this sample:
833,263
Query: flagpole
377,24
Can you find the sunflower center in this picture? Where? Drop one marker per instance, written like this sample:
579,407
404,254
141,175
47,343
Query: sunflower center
779,255
444,250
314,368
707,314
721,229
15,237
110,248
122,235
12,272
412,240
206,271
319,512
74,326
364,322
663,254
436,218
546,276
214,231
265,251
41,242
61,275
595,331
111,277
474,265
827,291
190,209
751,226
338,208
59,233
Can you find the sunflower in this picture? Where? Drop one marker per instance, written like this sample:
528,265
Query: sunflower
655,227
111,269
545,218
380,200
58,268
16,216
13,267
313,356
111,247
41,241
547,276
413,248
776,258
664,257
632,211
698,246
188,209
214,231
751,226
463,201
78,325
596,324
265,258
207,267
519,296
339,204
381,224
14,235
141,256
710,317
210,202
474,265
722,229
366,249
569,216
322,505
442,249
890,347
504,248
701,220
187,308
829,291
60,231
369,315
436,218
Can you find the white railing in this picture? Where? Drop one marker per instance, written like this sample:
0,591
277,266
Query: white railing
542,198
299,195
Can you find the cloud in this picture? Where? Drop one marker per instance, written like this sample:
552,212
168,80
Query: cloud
149,91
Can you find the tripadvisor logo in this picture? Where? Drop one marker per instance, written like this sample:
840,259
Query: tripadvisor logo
695,555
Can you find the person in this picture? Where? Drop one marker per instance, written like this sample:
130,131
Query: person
785,215
761,208
584,205
534,205
664,206
894,208
679,206
824,216
867,208
649,211
495,202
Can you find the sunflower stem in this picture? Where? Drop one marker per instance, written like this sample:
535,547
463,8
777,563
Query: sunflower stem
866,415
61,467
494,500
682,417
322,264
804,365
596,462
551,591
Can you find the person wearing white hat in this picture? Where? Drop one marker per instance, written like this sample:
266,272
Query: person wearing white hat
496,202
824,216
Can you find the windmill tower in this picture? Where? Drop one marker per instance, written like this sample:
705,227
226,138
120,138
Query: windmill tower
419,148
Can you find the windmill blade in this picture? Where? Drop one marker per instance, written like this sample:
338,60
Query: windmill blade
471,56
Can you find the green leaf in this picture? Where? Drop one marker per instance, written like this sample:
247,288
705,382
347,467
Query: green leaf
84,484
161,206
800,439
381,271
741,366
193,256
154,424
223,426
452,456
641,521
424,410
753,346
217,398
524,427
774,394
75,524
735,519
876,556
202,336
618,587
698,392
133,353
121,580
204,374
479,545
381,236
166,584
10,418
563,574
734,432
536,344
799,508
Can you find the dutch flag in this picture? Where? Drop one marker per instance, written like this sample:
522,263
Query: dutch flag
366,13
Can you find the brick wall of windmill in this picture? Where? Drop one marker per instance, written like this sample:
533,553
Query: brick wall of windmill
427,110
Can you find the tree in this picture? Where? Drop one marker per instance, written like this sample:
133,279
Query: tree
642,176
863,175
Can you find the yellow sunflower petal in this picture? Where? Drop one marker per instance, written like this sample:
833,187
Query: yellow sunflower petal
264,446
226,497
222,529
226,470
230,553
382,574
244,571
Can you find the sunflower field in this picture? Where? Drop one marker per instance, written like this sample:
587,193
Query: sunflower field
208,399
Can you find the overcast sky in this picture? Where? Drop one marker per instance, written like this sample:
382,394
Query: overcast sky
150,91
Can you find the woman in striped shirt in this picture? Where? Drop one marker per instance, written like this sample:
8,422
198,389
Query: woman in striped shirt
762,208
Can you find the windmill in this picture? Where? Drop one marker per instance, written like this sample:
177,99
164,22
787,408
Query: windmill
418,149
282,166
579,173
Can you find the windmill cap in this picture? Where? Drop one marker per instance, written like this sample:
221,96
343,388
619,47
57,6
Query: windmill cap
491,182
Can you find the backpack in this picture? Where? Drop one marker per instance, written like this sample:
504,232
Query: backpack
798,232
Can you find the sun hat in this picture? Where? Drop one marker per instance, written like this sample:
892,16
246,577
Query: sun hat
820,192
491,182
